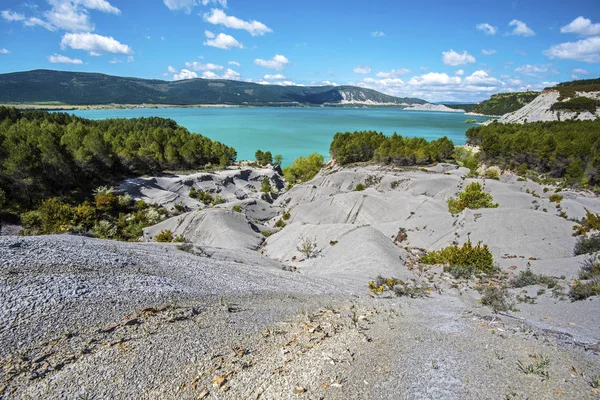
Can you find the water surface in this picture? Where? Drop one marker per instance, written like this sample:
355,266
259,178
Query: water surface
295,132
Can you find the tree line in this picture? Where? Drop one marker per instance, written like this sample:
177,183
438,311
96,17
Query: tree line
366,146
45,154
567,149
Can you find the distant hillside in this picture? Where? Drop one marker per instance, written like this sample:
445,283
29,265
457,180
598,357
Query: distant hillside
576,100
79,88
503,103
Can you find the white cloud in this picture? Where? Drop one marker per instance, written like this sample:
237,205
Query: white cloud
175,5
274,77
487,52
378,34
60,59
196,66
4,51
454,59
172,70
184,74
460,72
222,41
231,74
12,16
535,70
433,79
481,78
209,75
237,64
277,63
582,26
393,73
521,29
218,17
115,61
585,50
100,5
577,73
362,70
222,3
34,21
94,44
487,29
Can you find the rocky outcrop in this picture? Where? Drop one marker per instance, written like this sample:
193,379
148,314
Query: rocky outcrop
433,107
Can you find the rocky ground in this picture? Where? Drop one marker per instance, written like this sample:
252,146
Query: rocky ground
241,313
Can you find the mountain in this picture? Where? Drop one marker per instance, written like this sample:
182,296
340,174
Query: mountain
503,103
81,88
576,100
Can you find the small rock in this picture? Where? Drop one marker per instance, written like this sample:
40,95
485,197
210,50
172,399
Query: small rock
298,390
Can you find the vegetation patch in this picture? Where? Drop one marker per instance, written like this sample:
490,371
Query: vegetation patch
589,223
588,283
528,278
555,198
473,197
463,262
367,146
587,245
496,298
400,288
303,169
165,236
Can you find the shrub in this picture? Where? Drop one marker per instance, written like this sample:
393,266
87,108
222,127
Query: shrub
492,173
307,247
590,222
473,197
528,278
192,193
496,298
360,187
522,170
237,208
263,158
587,245
590,267
303,169
179,239
50,217
286,216
555,198
463,261
265,185
217,199
400,288
266,233
165,236
104,230
582,290
280,224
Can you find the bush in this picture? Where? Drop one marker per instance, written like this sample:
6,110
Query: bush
263,158
52,216
280,224
400,288
286,216
522,170
237,208
492,173
104,230
266,233
587,245
590,222
360,187
165,236
473,197
303,169
528,278
496,298
307,247
265,185
555,198
463,261
582,290
179,239
590,267
193,193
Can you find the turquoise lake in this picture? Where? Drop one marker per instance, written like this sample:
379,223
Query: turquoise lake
294,132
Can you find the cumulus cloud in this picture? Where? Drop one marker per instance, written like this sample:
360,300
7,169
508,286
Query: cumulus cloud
218,17
94,44
393,73
231,75
487,29
520,28
188,5
585,50
4,51
237,64
184,74
460,72
60,59
222,41
274,77
277,63
481,78
487,52
454,59
362,70
378,34
11,16
535,70
582,26
69,15
433,79
196,66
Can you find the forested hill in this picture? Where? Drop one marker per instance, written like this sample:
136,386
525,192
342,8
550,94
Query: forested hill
79,88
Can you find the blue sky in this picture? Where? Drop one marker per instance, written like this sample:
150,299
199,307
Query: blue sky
436,50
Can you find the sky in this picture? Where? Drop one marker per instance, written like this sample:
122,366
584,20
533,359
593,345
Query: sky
457,50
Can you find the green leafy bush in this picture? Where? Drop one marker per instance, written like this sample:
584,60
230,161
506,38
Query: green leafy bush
360,187
280,224
165,236
473,197
237,208
265,185
528,278
303,169
496,298
463,262
263,158
587,245
492,173
286,216
555,198
590,222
